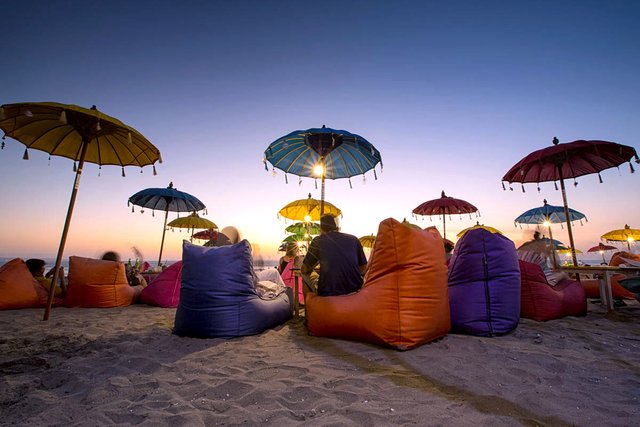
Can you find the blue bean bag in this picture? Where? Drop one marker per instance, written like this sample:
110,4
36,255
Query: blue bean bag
484,284
218,296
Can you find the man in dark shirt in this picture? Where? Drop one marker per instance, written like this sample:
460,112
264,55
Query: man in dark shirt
342,261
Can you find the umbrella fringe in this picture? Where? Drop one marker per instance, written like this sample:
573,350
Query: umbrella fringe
75,167
154,170
523,188
350,186
599,178
63,117
555,184
25,156
286,180
631,167
374,175
123,175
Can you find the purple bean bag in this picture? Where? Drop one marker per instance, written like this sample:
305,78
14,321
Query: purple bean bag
484,284
218,297
164,290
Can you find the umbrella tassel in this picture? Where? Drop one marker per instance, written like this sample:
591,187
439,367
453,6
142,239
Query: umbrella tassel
2,144
25,156
350,186
159,158
575,183
75,167
555,184
154,170
503,187
315,181
510,187
129,139
286,181
523,188
132,209
374,175
538,188
152,213
299,181
264,161
599,178
49,161
631,167
99,170
63,117
123,175
98,127
273,172
364,179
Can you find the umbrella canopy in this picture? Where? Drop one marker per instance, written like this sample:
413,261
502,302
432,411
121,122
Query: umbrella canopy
549,213
307,210
294,238
81,134
602,248
310,228
543,245
192,222
569,160
217,239
209,234
445,205
165,199
323,153
478,225
626,234
367,241
568,251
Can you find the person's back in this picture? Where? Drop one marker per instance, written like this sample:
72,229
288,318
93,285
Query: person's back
341,258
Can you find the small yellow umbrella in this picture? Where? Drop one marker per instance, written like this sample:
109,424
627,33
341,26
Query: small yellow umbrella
626,234
478,225
367,241
568,251
307,210
407,223
192,222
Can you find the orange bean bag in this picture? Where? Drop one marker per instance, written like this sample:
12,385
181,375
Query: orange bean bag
98,283
592,287
403,302
18,288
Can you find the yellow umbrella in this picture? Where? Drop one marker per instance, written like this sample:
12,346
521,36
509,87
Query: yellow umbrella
307,210
80,134
192,222
568,251
407,223
626,234
478,225
367,241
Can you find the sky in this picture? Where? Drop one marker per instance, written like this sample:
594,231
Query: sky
451,93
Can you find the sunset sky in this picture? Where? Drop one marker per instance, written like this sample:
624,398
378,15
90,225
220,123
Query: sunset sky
452,93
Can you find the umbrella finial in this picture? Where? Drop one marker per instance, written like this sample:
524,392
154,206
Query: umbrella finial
544,201
170,184
555,141
442,194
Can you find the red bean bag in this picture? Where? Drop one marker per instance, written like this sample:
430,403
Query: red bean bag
403,302
164,290
98,283
541,301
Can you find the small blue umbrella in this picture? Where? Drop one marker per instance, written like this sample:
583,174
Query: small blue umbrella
549,213
166,199
339,153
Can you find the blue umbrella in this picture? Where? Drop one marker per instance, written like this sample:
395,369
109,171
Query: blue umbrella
322,153
166,199
549,213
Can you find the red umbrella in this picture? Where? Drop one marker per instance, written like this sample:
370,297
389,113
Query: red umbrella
209,234
569,160
602,248
445,205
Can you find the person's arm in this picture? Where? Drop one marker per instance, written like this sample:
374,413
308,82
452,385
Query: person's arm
311,259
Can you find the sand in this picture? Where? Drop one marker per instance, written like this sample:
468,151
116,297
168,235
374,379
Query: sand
123,366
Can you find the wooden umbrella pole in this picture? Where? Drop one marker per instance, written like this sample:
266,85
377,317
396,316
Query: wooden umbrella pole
553,249
322,187
164,230
65,231
444,225
566,214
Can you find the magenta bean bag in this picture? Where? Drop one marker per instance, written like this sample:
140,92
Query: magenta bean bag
164,290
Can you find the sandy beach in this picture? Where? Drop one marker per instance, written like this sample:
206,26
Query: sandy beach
123,366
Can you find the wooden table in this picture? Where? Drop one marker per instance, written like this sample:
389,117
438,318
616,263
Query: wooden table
604,274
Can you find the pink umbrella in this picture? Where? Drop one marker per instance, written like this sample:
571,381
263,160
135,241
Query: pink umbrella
445,205
602,248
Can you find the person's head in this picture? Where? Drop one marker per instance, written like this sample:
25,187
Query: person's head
448,247
292,249
232,234
111,256
328,223
35,266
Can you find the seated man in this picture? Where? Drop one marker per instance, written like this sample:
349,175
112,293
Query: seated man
36,267
341,258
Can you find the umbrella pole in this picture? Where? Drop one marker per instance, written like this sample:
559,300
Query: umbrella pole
566,214
553,250
444,225
603,260
164,230
65,230
322,187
